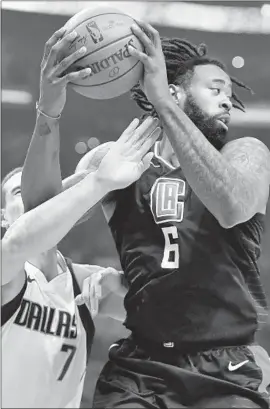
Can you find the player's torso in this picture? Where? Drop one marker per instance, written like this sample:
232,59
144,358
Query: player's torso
186,273
44,345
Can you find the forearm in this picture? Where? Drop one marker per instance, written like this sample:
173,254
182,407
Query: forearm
219,185
43,227
41,177
70,181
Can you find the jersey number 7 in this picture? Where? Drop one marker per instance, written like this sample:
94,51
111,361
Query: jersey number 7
70,349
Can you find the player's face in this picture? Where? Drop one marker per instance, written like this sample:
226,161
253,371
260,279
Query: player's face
208,102
13,199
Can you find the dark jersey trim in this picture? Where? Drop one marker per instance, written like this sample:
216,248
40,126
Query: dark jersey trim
83,311
8,309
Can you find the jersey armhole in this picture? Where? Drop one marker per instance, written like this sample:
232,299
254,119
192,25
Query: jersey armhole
9,309
108,205
83,311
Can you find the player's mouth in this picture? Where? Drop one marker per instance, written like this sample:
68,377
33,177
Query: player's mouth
224,121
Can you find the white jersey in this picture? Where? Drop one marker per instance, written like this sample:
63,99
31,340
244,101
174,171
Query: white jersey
44,352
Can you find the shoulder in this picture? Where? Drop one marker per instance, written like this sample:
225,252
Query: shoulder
249,153
248,144
251,158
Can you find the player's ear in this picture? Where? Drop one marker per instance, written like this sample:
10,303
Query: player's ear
4,222
177,94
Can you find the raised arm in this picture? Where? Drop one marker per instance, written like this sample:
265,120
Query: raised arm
41,178
89,163
43,227
232,183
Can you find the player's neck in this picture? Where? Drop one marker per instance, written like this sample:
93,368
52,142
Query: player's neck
166,151
47,263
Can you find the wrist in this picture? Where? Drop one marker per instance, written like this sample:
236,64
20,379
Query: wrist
100,184
46,112
46,126
164,103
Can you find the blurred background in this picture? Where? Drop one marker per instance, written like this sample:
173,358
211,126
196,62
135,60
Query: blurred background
236,32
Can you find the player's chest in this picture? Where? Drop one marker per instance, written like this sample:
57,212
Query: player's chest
169,197
45,318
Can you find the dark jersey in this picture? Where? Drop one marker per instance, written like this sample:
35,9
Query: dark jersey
191,282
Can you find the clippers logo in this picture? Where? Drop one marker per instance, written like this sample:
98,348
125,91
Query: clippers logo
94,32
167,203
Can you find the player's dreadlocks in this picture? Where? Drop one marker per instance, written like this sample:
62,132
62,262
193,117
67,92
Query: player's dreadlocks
181,57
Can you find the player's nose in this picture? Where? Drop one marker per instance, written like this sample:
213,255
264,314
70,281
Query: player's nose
226,104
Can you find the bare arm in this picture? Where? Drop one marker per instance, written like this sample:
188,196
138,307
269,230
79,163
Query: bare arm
89,163
111,281
102,290
44,226
41,178
82,271
234,183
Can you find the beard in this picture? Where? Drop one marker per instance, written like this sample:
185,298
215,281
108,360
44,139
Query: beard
209,126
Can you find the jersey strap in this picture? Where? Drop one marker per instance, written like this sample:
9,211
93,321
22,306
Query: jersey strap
83,311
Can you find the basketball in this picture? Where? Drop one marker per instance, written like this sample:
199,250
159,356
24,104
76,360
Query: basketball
106,34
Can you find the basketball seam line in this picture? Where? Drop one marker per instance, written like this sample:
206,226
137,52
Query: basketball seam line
104,83
103,14
104,46
97,15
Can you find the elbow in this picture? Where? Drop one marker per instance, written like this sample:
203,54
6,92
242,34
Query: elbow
227,223
241,205
235,214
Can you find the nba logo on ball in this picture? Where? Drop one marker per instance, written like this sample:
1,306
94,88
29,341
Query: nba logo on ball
108,35
94,32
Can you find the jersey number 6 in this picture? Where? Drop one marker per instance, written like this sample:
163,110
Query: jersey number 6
171,250
167,205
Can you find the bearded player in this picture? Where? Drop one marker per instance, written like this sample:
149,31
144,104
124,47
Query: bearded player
188,234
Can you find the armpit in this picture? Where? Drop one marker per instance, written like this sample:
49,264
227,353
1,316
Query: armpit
108,205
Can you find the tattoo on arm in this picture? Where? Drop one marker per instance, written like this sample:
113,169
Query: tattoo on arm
41,178
248,153
44,129
227,182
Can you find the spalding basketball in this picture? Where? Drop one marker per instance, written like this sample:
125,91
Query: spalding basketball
106,34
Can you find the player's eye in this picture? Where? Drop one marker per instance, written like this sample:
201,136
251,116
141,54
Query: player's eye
17,191
216,91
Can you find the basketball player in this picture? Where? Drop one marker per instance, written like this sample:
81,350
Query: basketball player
188,234
45,337
41,176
